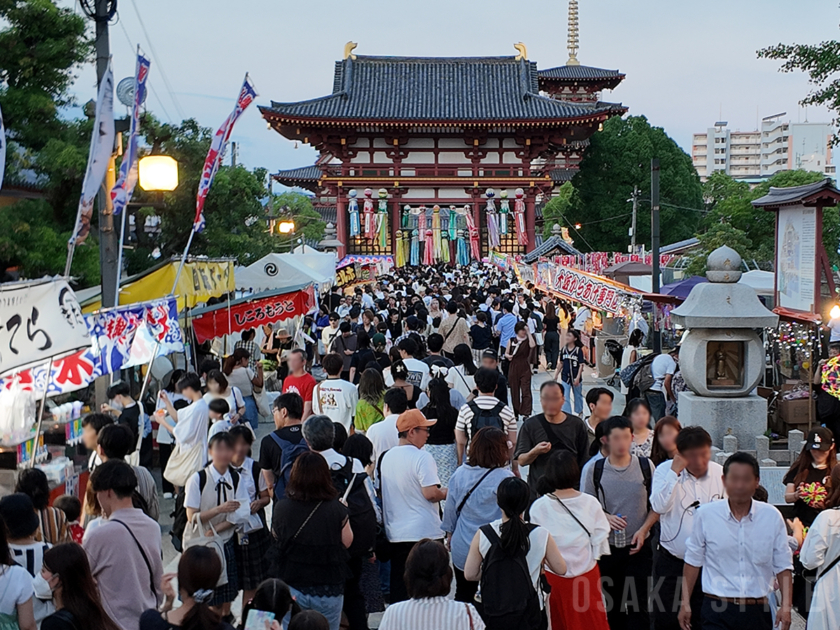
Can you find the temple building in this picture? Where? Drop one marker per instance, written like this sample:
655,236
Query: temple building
430,159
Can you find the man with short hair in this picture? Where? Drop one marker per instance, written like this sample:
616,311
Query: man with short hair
490,360
129,414
288,409
662,369
504,326
621,482
124,551
345,345
383,434
550,431
418,372
329,333
299,380
344,307
681,487
334,396
92,424
599,401
742,547
484,410
410,491
114,442
434,344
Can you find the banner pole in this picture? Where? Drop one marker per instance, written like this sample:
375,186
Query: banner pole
41,413
71,249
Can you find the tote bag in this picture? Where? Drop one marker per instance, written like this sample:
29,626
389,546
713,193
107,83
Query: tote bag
183,463
195,535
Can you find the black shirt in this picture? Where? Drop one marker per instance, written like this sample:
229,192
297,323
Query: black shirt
153,620
482,336
551,323
502,388
130,417
569,435
271,453
815,490
362,359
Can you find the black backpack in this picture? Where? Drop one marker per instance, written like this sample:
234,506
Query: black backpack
179,514
508,596
486,417
359,507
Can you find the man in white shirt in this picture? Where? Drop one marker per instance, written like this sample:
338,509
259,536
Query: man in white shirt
742,547
582,316
344,307
334,396
662,368
418,372
680,488
383,434
497,414
410,491
329,333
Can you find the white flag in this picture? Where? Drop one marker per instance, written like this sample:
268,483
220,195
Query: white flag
101,148
2,150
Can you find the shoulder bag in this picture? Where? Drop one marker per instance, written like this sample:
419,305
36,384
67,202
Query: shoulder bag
570,513
183,463
195,535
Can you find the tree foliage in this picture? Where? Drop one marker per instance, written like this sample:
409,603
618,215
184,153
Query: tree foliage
618,159
298,207
557,208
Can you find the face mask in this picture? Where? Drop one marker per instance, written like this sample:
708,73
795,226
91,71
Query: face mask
117,405
42,587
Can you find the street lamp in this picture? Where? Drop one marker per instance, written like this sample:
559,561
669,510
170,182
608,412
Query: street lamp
286,227
158,172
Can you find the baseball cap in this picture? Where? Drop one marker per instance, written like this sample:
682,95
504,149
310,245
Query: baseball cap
490,354
378,339
412,419
819,439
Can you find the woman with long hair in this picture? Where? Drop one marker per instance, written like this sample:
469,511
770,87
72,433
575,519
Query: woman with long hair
441,442
462,376
218,386
665,439
16,592
76,598
518,539
638,411
33,483
806,486
630,354
242,377
471,501
581,531
551,340
313,533
371,394
272,596
399,372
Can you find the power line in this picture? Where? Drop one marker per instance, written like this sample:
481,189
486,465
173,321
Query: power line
158,61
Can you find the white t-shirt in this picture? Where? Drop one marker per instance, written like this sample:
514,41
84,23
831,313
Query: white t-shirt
580,550
234,398
536,554
581,317
220,426
164,436
337,399
15,589
459,380
241,378
661,366
406,470
383,435
193,423
418,374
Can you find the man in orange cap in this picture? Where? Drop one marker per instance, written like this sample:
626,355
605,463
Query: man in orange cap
410,491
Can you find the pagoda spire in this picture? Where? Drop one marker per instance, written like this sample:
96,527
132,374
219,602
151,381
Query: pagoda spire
572,38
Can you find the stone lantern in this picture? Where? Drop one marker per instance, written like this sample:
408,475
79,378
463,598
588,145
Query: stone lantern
721,354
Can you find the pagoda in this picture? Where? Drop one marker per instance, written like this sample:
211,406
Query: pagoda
421,154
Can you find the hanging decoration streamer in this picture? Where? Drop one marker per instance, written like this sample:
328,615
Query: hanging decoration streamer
370,220
415,248
421,222
382,218
492,219
353,207
519,213
472,231
504,211
437,223
444,247
463,255
400,250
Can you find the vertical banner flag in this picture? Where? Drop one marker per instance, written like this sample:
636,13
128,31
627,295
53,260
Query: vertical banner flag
2,149
127,180
214,156
101,147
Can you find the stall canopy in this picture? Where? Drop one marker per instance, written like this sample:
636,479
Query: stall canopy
764,282
682,288
280,272
201,279
252,311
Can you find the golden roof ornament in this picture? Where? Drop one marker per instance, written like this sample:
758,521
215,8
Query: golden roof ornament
349,47
523,52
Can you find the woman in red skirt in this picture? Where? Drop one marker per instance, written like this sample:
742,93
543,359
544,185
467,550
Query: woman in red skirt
580,529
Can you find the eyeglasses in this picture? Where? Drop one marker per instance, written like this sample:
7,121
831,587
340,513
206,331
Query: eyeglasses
426,429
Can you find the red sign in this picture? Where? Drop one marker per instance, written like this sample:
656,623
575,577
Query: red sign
225,320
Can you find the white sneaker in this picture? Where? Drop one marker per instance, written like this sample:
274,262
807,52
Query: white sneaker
167,495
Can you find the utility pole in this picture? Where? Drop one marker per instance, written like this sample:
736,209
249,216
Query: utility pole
654,245
108,237
633,224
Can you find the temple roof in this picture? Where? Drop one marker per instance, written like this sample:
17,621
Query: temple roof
562,174
550,246
806,194
436,89
576,73
303,173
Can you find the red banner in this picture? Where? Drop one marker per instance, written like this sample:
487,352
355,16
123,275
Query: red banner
225,320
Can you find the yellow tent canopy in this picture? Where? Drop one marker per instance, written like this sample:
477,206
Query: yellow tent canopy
201,279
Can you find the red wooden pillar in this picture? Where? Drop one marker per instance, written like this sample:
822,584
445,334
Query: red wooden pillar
341,223
530,222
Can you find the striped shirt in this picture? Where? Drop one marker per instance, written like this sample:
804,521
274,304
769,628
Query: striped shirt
436,612
53,528
465,415
30,557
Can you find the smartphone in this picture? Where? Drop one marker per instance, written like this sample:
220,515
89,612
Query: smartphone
258,620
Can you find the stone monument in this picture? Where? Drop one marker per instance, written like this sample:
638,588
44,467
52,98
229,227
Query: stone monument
721,356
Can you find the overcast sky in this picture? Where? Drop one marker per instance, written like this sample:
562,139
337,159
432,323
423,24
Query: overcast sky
688,64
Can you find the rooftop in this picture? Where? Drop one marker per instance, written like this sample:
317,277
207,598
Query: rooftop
807,194
577,73
549,246
437,89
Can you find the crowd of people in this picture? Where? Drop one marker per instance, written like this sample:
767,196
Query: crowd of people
416,475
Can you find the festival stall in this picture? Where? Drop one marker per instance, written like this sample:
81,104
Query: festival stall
50,356
277,272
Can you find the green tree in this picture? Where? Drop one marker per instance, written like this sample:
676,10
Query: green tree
298,208
820,62
717,235
557,208
618,159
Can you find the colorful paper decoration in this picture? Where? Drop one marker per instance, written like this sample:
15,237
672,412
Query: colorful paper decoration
353,207
492,219
519,213
370,220
444,247
831,376
504,211
415,248
382,218
437,228
472,231
400,249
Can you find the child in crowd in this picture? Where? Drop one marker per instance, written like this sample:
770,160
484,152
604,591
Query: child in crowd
272,596
253,540
219,416
217,494
72,508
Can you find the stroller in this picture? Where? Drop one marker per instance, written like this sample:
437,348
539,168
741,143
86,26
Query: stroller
615,350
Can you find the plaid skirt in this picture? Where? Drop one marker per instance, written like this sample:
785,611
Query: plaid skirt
227,592
252,559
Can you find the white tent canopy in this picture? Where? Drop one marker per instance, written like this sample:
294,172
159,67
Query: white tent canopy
280,271
763,282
